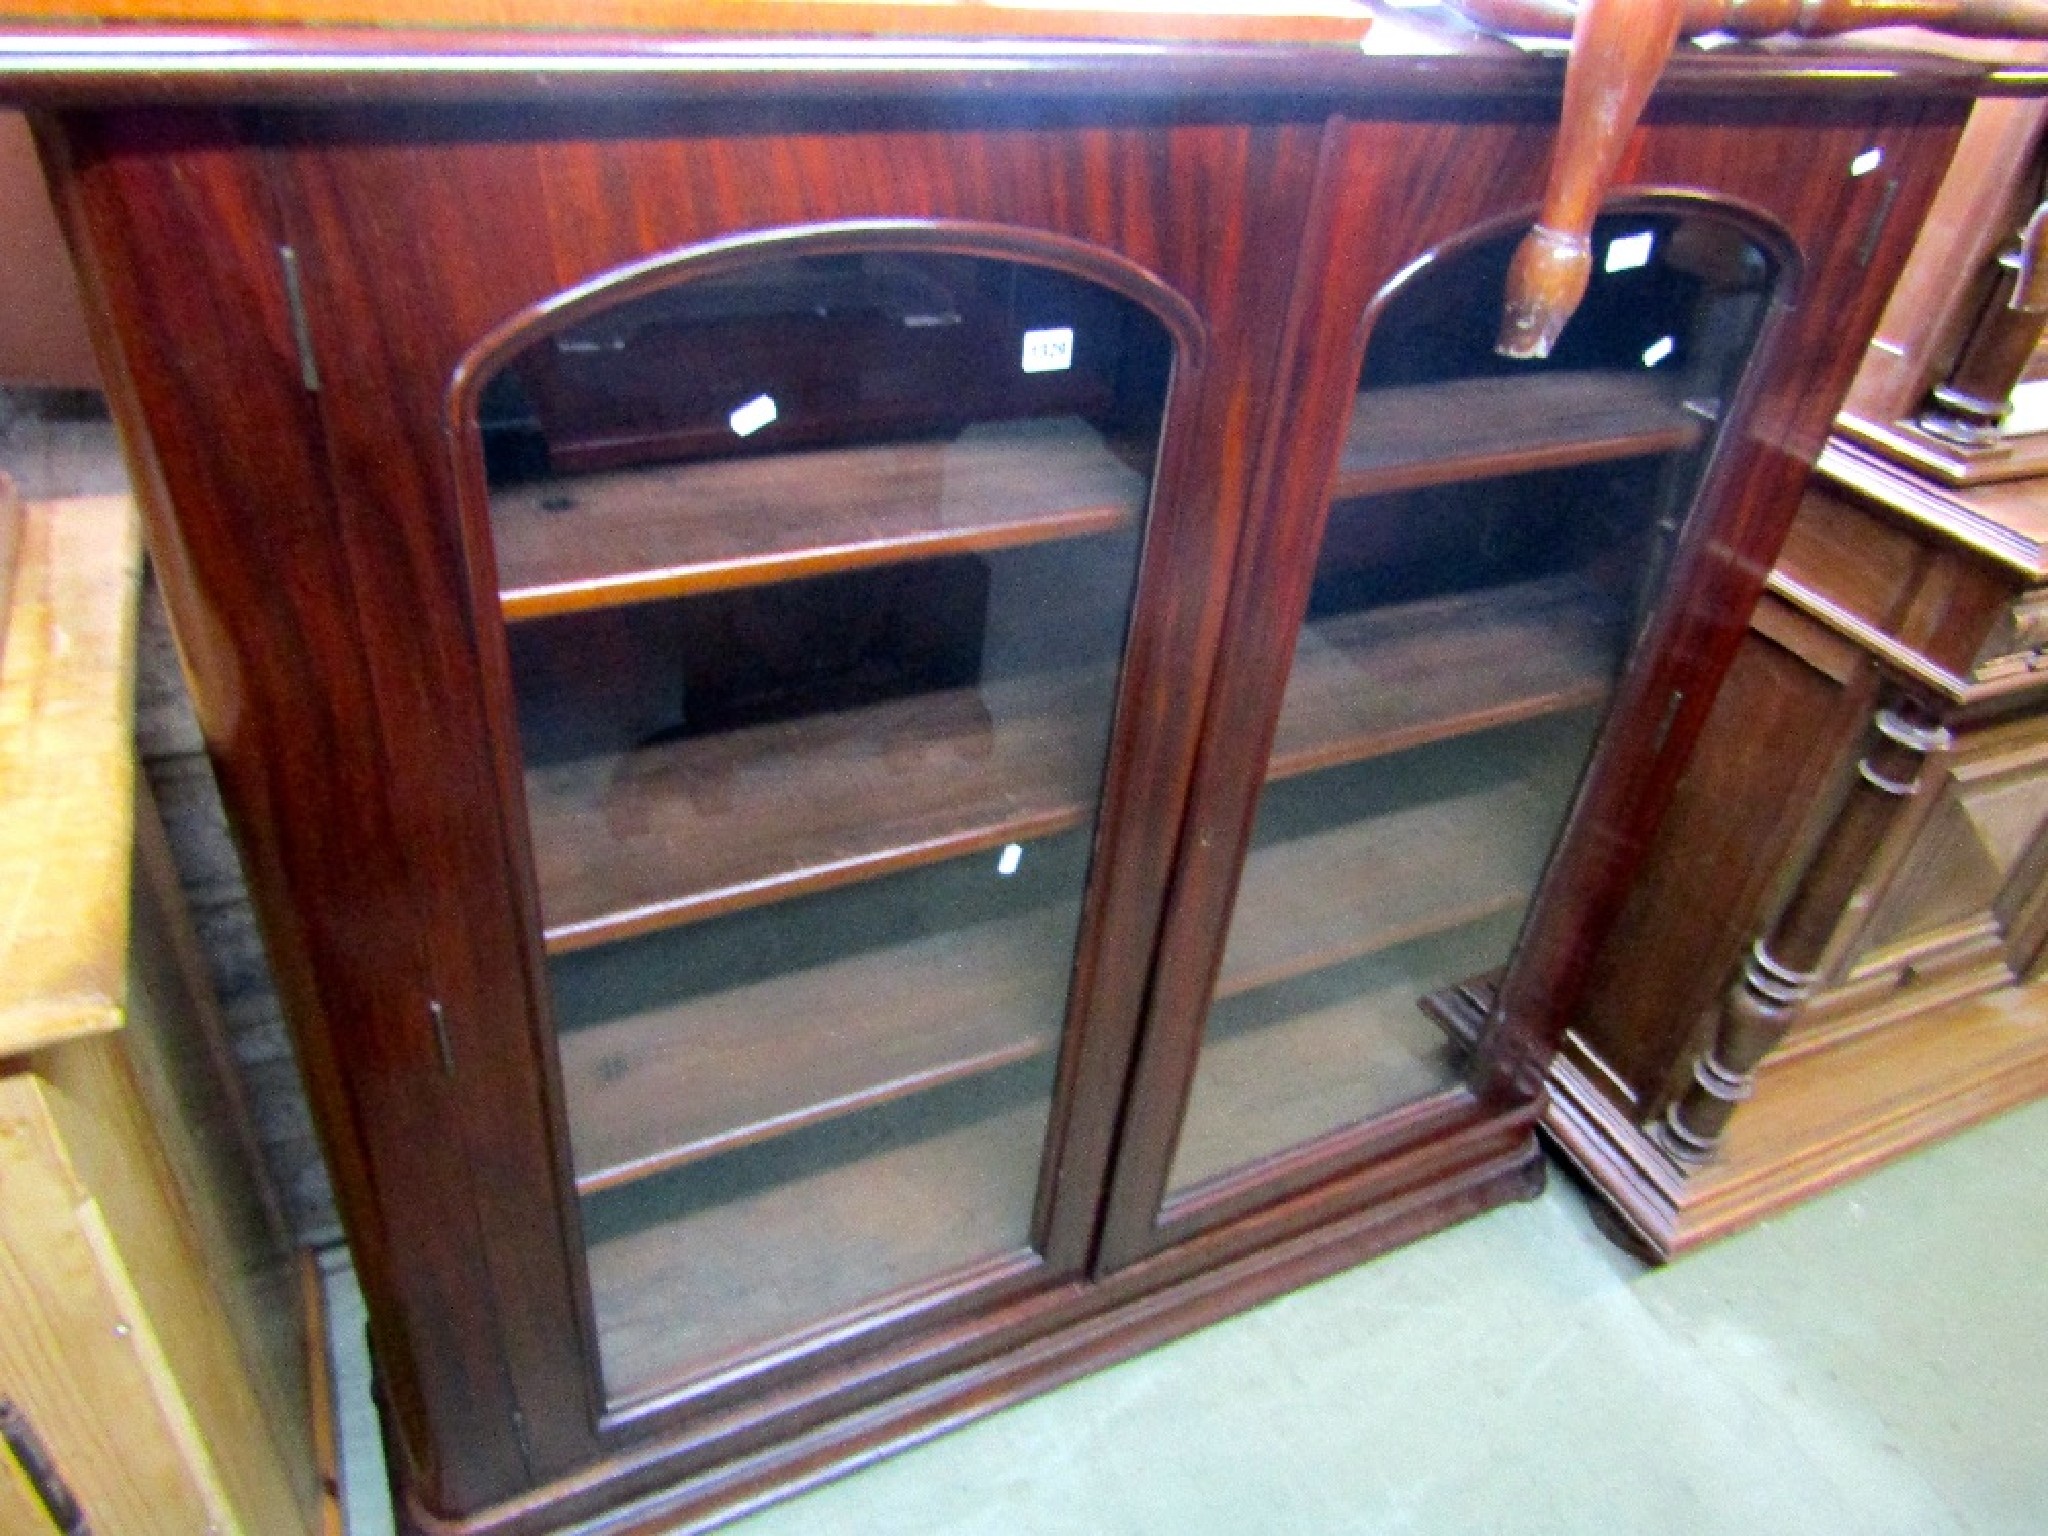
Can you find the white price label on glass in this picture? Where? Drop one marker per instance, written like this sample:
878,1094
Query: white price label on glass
753,416
1628,252
1050,350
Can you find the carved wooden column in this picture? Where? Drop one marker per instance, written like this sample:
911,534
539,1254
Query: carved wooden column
1783,963
1969,407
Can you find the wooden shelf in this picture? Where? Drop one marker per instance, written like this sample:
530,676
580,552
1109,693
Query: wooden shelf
1471,429
1386,679
669,1085
679,831
740,1252
1287,1064
632,535
1374,884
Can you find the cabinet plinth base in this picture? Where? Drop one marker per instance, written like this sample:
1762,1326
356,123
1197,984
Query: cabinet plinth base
1819,1118
694,1481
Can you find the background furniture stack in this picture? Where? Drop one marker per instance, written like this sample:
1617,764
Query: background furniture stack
152,1358
1836,949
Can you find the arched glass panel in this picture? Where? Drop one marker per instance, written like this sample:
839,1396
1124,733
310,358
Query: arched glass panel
1497,532
816,576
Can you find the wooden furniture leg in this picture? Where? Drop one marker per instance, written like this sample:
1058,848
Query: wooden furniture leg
1782,966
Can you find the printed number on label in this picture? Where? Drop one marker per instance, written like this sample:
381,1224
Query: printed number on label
1050,350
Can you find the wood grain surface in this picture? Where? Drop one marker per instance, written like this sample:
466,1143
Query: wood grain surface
372,762
67,769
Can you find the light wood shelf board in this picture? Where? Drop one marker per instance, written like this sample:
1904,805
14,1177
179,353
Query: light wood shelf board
1319,1054
67,770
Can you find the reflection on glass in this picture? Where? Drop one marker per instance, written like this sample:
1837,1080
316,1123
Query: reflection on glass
816,577
1497,531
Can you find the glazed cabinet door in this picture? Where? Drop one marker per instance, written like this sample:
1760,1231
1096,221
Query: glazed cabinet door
782,561
1452,610
816,567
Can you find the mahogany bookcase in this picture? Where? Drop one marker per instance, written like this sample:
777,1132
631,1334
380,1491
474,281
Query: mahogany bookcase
906,716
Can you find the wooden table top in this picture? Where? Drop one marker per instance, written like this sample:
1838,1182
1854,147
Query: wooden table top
67,769
1339,22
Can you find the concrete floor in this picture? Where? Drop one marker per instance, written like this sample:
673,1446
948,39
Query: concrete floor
1874,1364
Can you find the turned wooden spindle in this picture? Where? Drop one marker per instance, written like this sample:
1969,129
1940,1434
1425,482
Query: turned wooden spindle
1618,48
1778,974
1969,407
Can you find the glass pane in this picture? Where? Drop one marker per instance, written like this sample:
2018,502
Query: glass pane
1496,534
816,579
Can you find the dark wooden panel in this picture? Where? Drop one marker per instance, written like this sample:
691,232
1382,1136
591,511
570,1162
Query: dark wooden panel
1846,236
1866,566
1852,234
1781,731
185,274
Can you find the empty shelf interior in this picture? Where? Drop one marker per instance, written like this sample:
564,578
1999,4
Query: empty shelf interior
589,541
1467,429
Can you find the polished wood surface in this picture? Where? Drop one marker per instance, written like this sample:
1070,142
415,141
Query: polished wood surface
1815,1123
2006,522
418,1192
1319,900
1974,212
1947,290
594,540
1915,936
1678,662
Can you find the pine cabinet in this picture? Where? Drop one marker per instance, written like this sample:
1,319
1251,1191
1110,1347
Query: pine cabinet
906,718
